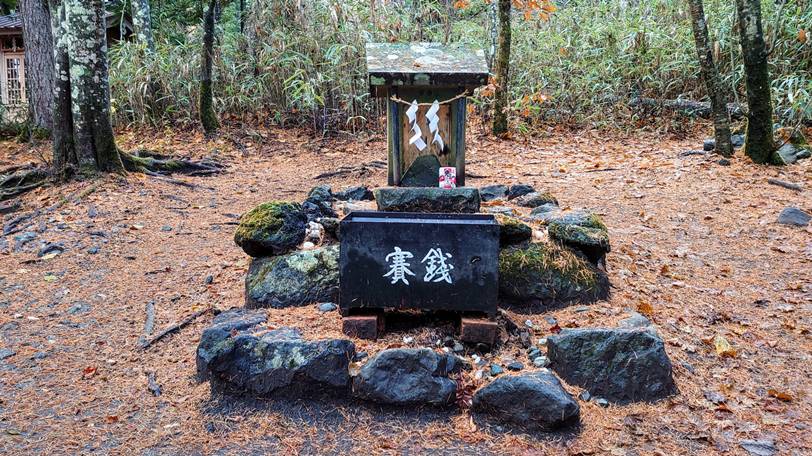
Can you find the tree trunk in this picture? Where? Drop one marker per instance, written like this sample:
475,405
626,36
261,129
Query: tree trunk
759,143
502,70
39,64
81,53
142,24
721,119
62,131
208,118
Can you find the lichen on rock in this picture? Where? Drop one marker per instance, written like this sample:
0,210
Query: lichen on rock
295,279
271,228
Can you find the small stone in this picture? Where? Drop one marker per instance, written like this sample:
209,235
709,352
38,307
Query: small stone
40,355
6,353
166,228
790,153
518,190
208,280
496,370
737,140
585,396
709,144
327,307
536,199
458,347
543,341
79,307
533,352
759,447
308,246
794,216
492,192
602,402
408,339
715,397
93,250
515,366
528,323
541,361
355,193
51,248
724,162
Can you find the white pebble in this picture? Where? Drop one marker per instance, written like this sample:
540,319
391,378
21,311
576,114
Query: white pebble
308,246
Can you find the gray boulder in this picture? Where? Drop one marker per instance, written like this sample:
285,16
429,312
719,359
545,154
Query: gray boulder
423,172
234,353
794,216
319,203
536,199
533,400
427,199
518,190
296,279
408,376
354,193
790,153
620,365
549,274
271,228
492,192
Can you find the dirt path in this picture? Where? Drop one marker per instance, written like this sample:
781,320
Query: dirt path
694,240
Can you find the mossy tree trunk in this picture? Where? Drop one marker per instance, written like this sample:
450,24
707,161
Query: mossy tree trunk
502,70
142,24
62,131
721,117
39,61
80,57
759,143
208,118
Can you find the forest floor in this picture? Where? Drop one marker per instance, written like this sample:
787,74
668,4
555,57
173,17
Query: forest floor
694,243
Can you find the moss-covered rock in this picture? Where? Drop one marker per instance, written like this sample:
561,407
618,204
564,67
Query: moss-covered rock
536,199
550,274
580,230
512,231
296,279
271,228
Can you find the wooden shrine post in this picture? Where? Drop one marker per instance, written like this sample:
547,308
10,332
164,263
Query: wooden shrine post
424,72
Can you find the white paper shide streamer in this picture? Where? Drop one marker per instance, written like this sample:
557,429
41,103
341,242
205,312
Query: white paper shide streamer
417,138
434,121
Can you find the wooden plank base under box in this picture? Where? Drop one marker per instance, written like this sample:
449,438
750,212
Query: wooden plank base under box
478,330
363,326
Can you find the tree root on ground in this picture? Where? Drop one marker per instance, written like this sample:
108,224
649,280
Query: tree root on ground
21,180
150,163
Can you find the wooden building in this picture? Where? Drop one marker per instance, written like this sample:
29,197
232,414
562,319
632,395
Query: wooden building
13,100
